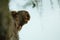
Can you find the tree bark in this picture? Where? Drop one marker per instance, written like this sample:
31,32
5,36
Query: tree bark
7,28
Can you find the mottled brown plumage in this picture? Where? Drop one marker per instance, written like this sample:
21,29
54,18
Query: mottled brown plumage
10,22
20,18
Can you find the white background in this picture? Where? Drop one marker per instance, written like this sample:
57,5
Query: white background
44,23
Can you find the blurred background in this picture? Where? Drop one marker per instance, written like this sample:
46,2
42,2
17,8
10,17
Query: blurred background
45,19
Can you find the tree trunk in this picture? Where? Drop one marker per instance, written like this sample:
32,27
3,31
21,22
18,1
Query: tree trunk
7,28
